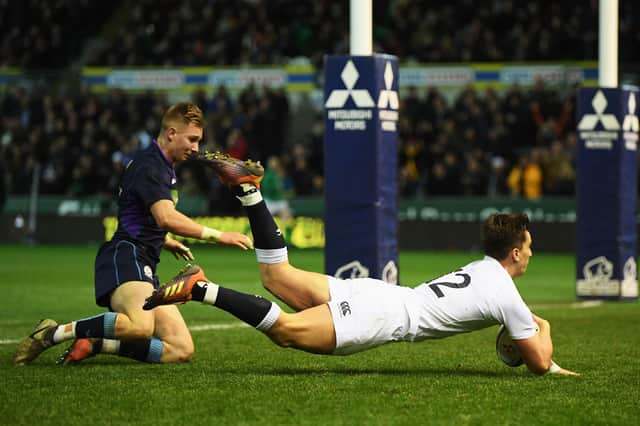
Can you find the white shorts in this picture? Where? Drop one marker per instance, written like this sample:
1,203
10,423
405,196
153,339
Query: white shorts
367,313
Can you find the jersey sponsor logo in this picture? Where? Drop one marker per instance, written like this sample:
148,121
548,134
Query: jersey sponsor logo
388,103
345,309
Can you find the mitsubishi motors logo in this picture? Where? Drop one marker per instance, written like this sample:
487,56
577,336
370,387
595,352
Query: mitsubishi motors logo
388,102
338,98
630,123
589,121
598,139
388,98
349,119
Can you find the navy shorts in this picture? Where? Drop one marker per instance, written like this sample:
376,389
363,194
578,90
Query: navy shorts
118,262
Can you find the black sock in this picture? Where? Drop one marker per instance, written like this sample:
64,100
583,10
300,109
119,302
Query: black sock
148,350
97,326
266,234
198,291
248,308
96,346
136,349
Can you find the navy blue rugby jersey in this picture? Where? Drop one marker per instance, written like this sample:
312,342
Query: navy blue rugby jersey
148,178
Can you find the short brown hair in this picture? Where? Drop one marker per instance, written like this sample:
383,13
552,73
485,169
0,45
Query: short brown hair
185,113
503,232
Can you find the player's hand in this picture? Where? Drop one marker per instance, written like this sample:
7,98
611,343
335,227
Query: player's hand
236,239
178,249
565,372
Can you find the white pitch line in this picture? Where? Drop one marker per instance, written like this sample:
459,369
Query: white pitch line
225,326
202,327
575,305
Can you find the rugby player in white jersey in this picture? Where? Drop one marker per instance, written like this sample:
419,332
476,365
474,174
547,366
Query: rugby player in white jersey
342,317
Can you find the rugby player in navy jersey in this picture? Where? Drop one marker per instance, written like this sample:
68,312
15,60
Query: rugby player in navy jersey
342,317
125,267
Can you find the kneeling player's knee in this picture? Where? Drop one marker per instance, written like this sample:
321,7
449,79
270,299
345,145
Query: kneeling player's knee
185,352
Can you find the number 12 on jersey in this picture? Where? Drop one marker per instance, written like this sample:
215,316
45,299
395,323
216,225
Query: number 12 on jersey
435,286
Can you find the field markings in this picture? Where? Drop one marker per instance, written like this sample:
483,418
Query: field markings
575,305
223,326
233,325
201,327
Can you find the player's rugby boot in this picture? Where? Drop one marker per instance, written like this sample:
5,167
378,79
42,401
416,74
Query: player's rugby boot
80,349
178,290
232,171
34,344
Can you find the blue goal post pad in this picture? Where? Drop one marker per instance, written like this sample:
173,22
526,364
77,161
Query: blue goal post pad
606,194
361,144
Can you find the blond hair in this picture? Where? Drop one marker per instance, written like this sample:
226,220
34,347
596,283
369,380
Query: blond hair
184,113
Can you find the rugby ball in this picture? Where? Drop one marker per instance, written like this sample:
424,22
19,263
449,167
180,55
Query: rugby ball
506,350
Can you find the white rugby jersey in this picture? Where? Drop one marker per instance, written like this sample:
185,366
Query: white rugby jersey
478,295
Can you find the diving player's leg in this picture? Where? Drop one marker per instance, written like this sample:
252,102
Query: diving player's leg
297,288
311,330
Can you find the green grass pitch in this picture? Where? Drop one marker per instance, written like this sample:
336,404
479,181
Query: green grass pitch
239,377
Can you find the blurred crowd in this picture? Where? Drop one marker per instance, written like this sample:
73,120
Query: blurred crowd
81,141
36,34
229,32
521,142
517,142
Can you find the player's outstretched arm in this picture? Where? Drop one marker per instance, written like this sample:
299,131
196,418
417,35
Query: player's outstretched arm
169,219
563,371
538,349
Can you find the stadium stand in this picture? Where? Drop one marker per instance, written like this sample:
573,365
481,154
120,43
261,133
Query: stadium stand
48,34
78,140
76,135
271,32
228,32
